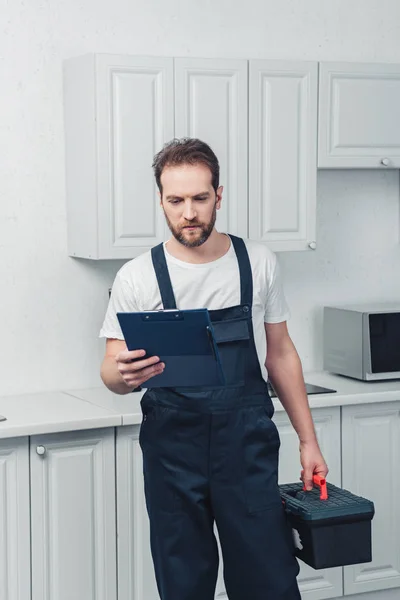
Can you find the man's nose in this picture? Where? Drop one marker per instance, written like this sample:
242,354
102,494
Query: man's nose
189,212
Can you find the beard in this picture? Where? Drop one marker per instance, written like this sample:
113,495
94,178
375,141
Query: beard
199,237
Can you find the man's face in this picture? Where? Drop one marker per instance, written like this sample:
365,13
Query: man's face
190,203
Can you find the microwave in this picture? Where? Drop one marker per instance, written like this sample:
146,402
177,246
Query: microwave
362,341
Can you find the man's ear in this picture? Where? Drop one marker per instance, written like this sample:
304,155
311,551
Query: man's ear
219,197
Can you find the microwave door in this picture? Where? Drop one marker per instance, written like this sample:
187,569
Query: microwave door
382,356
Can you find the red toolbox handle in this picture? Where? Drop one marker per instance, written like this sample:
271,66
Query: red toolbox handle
321,481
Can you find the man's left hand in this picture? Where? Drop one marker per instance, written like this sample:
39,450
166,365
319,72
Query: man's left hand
313,463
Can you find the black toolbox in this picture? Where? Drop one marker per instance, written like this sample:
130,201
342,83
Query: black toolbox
331,527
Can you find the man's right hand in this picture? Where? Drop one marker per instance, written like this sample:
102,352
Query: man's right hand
137,372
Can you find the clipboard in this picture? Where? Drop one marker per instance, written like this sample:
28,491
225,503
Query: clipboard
183,339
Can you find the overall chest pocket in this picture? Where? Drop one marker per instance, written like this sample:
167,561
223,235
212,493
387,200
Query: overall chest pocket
233,337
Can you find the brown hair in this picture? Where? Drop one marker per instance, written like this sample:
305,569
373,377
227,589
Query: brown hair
186,151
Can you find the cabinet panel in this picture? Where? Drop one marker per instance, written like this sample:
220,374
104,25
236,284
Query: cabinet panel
135,109
211,104
136,580
359,123
15,567
283,153
324,583
73,516
371,450
118,114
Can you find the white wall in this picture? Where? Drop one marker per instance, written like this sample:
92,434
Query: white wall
357,257
52,306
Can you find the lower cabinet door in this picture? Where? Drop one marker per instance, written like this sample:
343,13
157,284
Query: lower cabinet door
15,563
325,583
371,468
73,515
220,592
136,580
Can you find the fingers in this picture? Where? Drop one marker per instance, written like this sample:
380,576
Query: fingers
322,470
307,476
127,356
137,365
308,472
139,377
134,371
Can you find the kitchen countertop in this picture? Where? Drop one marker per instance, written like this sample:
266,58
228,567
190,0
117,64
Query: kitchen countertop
50,412
68,410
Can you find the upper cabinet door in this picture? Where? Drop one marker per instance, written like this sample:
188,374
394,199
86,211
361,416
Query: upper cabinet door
211,104
283,153
359,125
118,113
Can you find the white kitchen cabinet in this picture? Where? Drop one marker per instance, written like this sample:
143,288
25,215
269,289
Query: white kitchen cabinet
283,153
263,119
15,548
118,113
371,451
211,104
136,580
120,110
359,125
73,515
324,583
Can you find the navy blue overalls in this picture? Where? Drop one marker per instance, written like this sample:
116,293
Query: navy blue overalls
211,454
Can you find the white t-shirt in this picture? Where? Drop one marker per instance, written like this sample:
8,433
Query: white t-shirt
211,285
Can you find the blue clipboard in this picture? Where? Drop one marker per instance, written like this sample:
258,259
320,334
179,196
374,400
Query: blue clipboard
183,339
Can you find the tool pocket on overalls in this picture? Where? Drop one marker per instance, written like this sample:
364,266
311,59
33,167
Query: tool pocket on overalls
148,415
232,338
261,445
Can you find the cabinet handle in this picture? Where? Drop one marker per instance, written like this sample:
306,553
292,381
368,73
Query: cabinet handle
312,245
385,162
41,450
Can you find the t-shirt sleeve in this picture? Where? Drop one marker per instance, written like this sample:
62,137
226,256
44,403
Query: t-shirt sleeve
276,308
122,299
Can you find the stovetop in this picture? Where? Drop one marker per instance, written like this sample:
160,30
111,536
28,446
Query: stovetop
310,389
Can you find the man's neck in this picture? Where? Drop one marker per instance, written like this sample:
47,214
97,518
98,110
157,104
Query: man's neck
215,247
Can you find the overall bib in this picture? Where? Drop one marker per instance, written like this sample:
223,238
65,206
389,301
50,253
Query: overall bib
211,454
